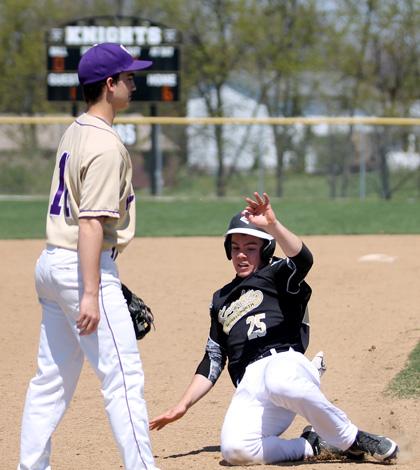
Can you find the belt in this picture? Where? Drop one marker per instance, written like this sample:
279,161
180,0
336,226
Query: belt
269,352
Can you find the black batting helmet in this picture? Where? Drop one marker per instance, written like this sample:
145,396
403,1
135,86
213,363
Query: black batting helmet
240,224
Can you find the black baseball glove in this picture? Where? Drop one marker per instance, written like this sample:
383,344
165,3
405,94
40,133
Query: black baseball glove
140,313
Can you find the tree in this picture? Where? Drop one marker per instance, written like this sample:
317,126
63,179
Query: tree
282,51
394,54
212,51
373,55
23,25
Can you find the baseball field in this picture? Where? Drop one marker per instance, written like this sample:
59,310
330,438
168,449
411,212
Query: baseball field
364,315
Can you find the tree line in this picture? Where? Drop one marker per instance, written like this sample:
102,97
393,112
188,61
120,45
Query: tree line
344,57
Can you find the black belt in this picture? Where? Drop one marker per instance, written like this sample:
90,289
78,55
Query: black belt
269,352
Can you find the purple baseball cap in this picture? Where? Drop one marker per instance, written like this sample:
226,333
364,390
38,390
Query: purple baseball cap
105,60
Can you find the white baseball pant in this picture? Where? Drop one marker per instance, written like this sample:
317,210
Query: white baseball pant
272,392
111,351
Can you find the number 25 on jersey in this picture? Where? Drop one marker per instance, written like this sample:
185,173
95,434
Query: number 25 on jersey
257,327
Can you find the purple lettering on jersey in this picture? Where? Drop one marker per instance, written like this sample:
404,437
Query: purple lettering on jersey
130,199
66,203
55,208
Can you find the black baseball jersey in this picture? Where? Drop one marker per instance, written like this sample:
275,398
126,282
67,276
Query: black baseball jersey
250,316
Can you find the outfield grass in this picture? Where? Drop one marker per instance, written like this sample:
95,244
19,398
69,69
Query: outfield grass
406,384
209,217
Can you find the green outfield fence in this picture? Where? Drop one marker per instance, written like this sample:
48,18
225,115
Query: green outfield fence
294,158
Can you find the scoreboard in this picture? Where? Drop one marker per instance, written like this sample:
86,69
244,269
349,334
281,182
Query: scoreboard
144,40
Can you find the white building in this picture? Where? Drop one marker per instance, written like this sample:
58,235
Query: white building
243,143
407,160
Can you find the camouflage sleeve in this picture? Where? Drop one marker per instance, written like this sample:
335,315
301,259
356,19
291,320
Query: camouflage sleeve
214,359
213,362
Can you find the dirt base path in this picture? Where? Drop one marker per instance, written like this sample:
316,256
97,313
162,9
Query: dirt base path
364,315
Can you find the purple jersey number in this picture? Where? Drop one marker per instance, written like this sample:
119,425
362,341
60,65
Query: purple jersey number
55,208
129,200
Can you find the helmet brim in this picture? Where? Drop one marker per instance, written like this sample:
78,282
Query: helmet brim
250,231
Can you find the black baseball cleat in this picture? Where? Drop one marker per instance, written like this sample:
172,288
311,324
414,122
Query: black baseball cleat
320,447
379,447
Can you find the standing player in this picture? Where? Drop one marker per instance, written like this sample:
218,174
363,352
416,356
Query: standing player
91,218
256,324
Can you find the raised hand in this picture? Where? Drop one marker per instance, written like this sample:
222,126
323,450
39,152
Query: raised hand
259,211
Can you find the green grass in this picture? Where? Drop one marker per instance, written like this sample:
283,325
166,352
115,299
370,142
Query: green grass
22,219
157,217
406,383
295,185
210,217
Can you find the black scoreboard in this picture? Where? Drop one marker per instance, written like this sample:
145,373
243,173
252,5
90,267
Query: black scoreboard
144,40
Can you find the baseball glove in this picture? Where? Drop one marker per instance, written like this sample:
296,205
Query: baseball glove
140,313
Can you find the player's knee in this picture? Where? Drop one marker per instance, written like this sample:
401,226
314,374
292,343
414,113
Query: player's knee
239,452
235,455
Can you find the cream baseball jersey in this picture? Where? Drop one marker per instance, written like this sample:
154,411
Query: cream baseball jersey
92,178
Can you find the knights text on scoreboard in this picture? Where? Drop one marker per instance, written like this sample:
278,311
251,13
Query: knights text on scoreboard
159,83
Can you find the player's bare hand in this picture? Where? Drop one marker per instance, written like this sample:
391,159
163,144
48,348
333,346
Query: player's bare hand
88,319
169,416
259,211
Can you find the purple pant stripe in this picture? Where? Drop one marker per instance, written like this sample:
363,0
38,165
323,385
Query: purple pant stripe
122,372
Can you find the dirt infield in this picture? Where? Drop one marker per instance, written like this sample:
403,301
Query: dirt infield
364,315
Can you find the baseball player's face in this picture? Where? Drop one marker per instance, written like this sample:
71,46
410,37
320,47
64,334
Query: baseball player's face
123,90
245,253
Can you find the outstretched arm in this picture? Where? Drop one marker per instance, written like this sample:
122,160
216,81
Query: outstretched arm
198,387
260,213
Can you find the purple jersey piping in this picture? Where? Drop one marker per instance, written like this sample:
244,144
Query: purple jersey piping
97,127
99,210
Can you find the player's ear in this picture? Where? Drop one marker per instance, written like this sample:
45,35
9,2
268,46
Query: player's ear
110,83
